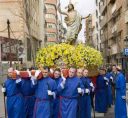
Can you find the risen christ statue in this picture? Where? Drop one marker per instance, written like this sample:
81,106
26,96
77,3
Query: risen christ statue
73,22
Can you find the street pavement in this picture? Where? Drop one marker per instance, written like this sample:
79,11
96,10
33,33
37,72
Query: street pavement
1,105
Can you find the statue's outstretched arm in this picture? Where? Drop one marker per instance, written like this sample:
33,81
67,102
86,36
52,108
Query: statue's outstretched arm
61,12
83,18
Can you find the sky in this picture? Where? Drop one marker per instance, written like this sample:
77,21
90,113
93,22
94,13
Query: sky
84,7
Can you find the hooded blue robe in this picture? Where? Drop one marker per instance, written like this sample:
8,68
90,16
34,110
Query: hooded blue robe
101,95
120,104
44,103
28,93
56,101
15,100
85,101
69,97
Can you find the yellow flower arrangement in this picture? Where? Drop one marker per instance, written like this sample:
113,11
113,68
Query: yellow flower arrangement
79,55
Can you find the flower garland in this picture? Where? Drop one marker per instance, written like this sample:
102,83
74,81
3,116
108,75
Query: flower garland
79,55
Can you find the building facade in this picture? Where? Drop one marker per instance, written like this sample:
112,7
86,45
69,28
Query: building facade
26,24
114,29
97,26
51,32
91,31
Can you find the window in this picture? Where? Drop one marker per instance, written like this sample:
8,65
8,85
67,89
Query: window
51,35
49,6
96,13
50,16
51,25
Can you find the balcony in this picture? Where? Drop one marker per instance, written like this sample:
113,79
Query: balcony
126,16
113,9
114,30
111,1
116,10
51,11
51,20
51,30
54,2
103,6
103,21
114,49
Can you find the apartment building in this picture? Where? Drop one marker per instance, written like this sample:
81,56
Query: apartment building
114,29
51,32
26,24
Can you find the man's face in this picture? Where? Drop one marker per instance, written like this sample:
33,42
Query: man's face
79,73
102,72
45,72
57,74
85,73
72,72
114,69
70,7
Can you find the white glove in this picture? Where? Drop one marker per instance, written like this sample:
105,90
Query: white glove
54,95
18,80
106,83
17,72
93,88
33,78
123,97
63,76
91,84
105,78
51,70
62,85
3,90
29,73
111,78
87,91
79,90
37,73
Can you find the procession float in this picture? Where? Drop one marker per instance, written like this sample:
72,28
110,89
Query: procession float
70,53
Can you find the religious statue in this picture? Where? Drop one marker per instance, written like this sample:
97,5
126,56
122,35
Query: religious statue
73,22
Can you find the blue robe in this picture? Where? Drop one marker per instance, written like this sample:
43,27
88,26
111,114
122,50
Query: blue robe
28,92
15,100
44,103
109,90
56,101
120,104
69,97
85,101
100,95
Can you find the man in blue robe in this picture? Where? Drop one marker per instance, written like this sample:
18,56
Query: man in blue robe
57,78
79,75
109,89
28,92
85,100
113,76
45,89
120,101
101,92
15,100
69,90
